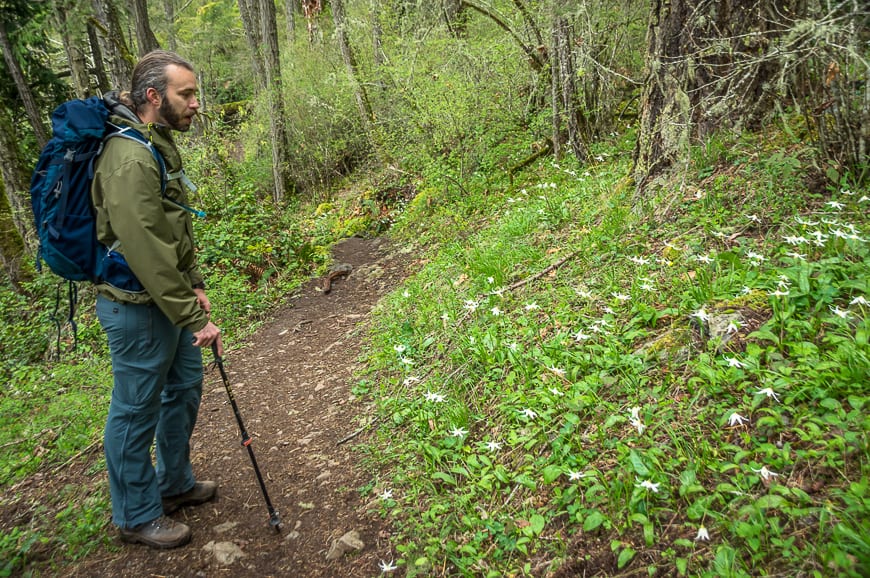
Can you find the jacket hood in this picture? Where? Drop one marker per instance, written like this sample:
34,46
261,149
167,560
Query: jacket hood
118,108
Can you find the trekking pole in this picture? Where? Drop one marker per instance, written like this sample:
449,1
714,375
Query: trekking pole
274,520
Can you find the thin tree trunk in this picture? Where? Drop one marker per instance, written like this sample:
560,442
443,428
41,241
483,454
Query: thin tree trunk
67,20
145,38
563,70
274,92
362,98
249,10
99,64
290,17
169,9
13,256
30,107
14,172
112,43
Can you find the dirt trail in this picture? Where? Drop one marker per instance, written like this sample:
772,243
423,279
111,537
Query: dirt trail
292,382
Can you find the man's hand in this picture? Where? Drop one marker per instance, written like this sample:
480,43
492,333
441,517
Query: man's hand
208,335
203,301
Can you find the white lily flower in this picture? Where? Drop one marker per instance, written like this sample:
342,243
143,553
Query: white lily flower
471,305
701,314
672,247
859,300
733,326
399,348
778,293
752,255
745,290
646,484
529,413
795,255
445,317
387,566
663,261
558,371
621,296
703,535
531,306
842,313
753,218
458,432
490,280
406,294
386,494
495,311
493,446
736,419
635,412
513,346
407,361
792,240
583,293
864,199
580,336
765,473
768,392
835,205
556,392
704,259
734,362
639,260
646,286
435,397
637,424
574,476
609,310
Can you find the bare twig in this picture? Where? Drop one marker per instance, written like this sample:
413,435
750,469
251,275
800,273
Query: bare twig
349,437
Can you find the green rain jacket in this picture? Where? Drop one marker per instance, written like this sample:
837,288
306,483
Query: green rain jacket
155,235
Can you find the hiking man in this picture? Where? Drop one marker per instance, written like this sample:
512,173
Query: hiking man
155,335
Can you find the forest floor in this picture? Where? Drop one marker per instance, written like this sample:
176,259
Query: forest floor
292,381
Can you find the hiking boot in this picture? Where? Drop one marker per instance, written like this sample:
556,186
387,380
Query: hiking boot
200,493
162,533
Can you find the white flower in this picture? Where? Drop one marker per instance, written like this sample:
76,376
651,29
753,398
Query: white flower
599,159
471,305
529,413
490,280
734,362
672,247
792,240
807,223
574,476
864,199
859,300
663,261
765,473
583,293
387,566
768,392
609,310
580,336
835,205
648,485
736,419
639,260
386,494
795,255
558,371
733,326
839,312
445,317
493,446
407,361
399,348
406,293
458,432
840,234
639,425
556,392
745,290
411,379
436,397
621,296
701,314
531,306
495,311
635,412
752,255
703,535
646,286
820,238
778,293
704,258
513,346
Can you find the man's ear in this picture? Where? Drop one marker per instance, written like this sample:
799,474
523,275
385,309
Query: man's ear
153,96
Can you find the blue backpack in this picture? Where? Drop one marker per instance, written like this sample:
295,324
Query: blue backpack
60,191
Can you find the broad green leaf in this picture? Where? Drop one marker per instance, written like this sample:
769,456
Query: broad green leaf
638,465
537,523
551,473
444,477
625,557
593,520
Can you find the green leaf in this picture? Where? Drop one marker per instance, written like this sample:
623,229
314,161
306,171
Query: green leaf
537,523
625,557
638,465
526,481
593,521
444,477
771,501
551,473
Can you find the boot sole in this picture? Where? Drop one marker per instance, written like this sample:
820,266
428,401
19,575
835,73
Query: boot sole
136,539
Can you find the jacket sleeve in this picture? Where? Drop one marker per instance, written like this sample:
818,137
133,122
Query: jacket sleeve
140,219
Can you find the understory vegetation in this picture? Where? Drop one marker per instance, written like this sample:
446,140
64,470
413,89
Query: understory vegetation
578,377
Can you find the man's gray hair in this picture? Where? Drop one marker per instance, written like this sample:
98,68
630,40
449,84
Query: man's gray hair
150,72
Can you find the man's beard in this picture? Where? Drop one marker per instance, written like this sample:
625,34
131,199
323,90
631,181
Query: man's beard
173,119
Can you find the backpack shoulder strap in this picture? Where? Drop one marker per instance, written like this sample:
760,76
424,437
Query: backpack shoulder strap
134,135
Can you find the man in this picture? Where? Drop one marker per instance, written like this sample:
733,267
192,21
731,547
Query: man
155,334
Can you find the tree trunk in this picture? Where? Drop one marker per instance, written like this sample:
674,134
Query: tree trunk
362,98
249,10
13,257
274,92
99,65
72,33
710,65
566,112
112,43
311,10
30,106
14,172
290,8
144,35
455,17
169,10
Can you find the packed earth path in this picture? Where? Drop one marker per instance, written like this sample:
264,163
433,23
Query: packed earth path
292,381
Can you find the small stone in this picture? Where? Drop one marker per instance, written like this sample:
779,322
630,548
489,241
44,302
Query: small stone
347,543
224,552
323,476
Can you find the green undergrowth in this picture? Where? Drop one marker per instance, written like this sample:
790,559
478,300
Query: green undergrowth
579,382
